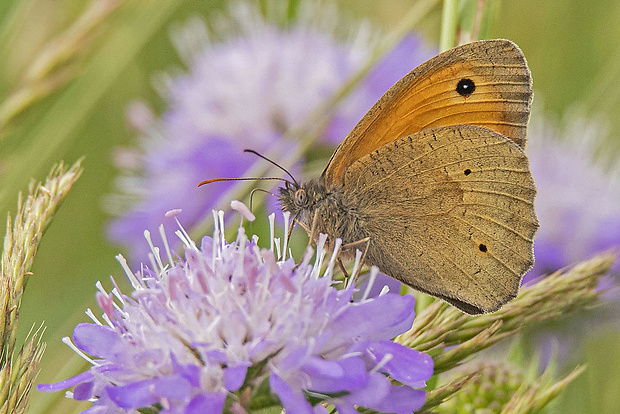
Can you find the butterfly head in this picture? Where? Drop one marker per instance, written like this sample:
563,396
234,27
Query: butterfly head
301,199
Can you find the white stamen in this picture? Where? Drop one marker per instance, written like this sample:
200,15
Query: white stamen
385,289
67,341
173,213
220,216
92,316
108,321
162,234
386,358
241,245
358,259
151,257
135,283
158,264
350,355
216,241
243,209
117,294
276,241
116,291
320,255
100,288
287,217
256,249
272,229
182,234
332,260
374,271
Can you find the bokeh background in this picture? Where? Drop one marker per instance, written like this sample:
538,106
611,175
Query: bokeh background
573,49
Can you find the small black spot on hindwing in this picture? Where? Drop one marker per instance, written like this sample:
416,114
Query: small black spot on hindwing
467,171
483,248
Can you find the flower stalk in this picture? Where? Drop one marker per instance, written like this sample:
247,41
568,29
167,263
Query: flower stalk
53,67
34,213
450,336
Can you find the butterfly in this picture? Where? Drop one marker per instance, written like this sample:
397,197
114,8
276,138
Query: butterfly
433,183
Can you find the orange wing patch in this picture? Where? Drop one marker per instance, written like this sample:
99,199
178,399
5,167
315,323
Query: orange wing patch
485,83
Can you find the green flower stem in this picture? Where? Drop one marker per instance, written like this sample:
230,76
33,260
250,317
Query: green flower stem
442,393
46,73
532,399
449,21
441,326
58,126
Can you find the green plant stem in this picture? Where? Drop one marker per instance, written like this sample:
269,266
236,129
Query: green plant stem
449,20
57,127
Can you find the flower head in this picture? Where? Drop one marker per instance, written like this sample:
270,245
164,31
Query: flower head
248,82
492,386
214,329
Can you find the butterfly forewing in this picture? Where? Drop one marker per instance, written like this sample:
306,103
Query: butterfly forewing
483,83
449,211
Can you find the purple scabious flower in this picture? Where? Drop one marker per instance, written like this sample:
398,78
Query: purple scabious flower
232,328
578,200
247,82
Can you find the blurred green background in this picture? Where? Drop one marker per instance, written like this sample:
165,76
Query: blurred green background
573,49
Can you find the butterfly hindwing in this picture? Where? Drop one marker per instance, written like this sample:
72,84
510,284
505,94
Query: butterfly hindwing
449,211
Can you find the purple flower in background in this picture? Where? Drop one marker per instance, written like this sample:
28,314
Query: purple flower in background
578,200
248,82
230,322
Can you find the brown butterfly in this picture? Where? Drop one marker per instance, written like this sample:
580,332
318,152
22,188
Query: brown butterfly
434,180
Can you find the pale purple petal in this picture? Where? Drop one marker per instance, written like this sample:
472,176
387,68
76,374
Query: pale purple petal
173,387
69,382
291,400
206,403
83,392
376,390
99,341
234,377
336,376
369,319
401,400
134,395
406,365
345,407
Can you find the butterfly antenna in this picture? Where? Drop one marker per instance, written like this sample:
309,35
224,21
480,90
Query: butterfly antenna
215,180
273,162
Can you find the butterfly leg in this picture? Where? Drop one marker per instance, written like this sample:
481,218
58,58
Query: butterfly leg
288,235
315,222
310,231
366,242
343,269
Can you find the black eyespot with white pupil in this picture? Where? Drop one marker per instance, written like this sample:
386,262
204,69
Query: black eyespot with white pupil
301,198
465,87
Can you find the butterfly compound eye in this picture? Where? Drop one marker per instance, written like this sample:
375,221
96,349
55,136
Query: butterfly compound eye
301,198
465,87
